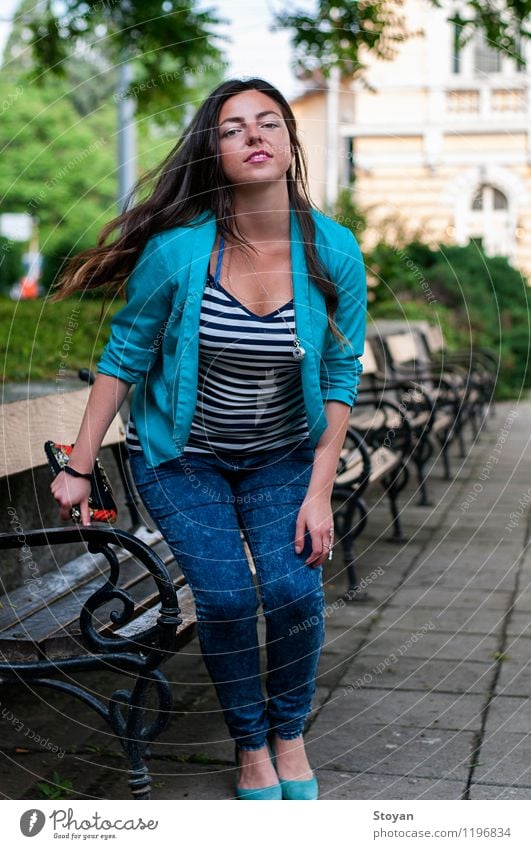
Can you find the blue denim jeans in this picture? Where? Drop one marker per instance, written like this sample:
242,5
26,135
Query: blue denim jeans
200,502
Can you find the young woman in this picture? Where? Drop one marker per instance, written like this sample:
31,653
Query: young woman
242,332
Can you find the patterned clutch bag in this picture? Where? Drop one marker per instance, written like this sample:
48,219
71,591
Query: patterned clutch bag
102,506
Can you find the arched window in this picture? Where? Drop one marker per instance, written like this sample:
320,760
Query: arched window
500,200
477,200
488,221
488,197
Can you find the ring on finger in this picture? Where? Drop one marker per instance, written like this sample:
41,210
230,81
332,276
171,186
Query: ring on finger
331,542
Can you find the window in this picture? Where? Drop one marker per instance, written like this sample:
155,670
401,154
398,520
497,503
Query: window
351,162
500,201
488,197
488,223
477,241
487,60
477,200
520,65
456,53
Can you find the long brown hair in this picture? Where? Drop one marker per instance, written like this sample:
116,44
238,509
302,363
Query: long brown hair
188,182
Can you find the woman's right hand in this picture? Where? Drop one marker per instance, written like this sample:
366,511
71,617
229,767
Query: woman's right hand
69,492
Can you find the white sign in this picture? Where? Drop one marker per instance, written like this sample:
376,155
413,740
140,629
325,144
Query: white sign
16,226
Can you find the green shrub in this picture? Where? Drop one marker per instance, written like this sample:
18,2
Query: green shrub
477,300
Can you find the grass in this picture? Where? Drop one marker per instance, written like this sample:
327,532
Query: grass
47,341
59,788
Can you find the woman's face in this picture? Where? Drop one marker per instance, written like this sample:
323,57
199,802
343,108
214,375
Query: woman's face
253,137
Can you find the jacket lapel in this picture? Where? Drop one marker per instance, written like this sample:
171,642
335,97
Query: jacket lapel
202,240
310,365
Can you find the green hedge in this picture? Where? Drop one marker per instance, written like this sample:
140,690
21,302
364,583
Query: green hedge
477,300
46,341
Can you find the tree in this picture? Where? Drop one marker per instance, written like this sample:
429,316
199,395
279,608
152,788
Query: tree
54,165
60,165
172,47
339,32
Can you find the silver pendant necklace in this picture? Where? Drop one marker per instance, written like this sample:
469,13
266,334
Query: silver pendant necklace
298,353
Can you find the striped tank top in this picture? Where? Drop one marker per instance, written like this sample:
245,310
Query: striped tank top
249,385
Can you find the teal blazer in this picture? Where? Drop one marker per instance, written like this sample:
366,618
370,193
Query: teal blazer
154,337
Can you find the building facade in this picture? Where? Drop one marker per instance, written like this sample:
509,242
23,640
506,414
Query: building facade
439,142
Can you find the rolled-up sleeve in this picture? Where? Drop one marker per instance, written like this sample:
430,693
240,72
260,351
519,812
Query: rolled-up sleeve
341,368
137,328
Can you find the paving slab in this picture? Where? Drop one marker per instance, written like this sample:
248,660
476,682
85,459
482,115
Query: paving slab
470,551
392,749
341,785
498,792
469,559
19,772
195,735
409,673
390,578
519,624
462,539
434,645
187,782
505,758
438,598
518,649
483,620
170,780
331,671
391,559
509,713
62,720
346,708
343,642
514,679
481,579
522,600
342,614
451,574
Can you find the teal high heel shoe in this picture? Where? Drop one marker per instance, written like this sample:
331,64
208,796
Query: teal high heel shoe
271,793
292,789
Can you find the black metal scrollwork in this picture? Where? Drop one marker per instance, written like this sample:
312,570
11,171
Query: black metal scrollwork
137,656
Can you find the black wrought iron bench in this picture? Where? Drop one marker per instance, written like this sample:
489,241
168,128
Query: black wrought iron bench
478,364
428,416
365,462
121,604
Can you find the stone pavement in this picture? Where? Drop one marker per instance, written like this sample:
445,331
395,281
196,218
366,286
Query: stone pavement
423,692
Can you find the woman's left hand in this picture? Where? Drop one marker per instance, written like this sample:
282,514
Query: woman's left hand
315,515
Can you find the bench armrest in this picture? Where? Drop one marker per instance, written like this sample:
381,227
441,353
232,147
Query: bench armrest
98,639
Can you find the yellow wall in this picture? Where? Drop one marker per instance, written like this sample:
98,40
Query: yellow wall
486,142
311,127
411,147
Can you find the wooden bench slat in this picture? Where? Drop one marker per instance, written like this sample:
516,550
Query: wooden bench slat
419,420
64,612
369,420
25,601
28,599
442,422
382,462
66,641
52,620
149,618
